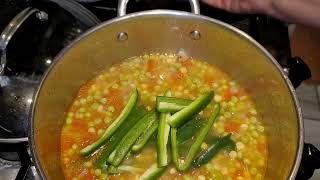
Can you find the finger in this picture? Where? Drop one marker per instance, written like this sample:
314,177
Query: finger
216,3
227,5
233,6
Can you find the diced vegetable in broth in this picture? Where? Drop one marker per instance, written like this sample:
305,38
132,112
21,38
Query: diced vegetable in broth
101,100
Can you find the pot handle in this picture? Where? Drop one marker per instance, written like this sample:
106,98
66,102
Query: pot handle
310,161
122,7
11,29
297,71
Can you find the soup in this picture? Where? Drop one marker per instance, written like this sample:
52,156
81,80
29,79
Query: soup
103,136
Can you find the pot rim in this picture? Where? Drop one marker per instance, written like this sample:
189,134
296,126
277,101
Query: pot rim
169,13
13,140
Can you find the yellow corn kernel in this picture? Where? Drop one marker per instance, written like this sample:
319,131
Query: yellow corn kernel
100,132
201,177
66,160
74,146
217,98
253,111
87,114
239,145
69,120
233,154
183,70
240,178
107,120
260,128
70,114
97,172
204,146
92,130
246,161
103,177
173,171
88,164
97,121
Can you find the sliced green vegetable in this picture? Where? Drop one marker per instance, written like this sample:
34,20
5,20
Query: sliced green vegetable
123,168
171,104
214,149
195,147
112,170
163,136
146,135
153,172
136,114
180,117
189,129
130,138
113,127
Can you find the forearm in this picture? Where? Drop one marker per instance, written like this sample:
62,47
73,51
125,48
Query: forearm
297,11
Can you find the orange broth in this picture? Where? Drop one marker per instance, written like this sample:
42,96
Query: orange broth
102,99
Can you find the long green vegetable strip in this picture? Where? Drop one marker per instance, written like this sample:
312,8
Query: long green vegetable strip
130,138
213,150
113,127
136,114
163,136
171,104
143,139
180,117
189,129
195,146
153,172
123,168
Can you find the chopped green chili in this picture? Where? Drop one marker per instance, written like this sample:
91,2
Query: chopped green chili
195,147
180,117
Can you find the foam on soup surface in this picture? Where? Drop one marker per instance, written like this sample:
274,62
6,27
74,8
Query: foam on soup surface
100,101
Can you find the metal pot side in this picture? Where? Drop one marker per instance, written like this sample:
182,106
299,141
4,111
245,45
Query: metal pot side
170,31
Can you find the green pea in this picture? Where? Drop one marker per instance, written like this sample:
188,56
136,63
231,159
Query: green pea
95,106
115,86
108,113
253,171
97,95
234,99
103,101
227,114
83,101
89,99
82,110
216,175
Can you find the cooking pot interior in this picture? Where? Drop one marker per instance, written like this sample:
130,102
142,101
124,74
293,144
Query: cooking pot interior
168,32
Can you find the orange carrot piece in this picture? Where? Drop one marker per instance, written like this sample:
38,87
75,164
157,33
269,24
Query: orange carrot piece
232,127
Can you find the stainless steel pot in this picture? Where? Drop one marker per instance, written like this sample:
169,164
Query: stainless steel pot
17,90
198,36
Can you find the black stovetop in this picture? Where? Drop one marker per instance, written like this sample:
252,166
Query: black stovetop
33,47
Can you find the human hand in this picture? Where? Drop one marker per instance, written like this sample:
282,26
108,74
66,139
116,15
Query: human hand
296,11
241,6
